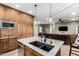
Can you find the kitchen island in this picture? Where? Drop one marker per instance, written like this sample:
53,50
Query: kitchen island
32,50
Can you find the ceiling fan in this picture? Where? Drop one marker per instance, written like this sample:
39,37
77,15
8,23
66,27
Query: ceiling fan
60,20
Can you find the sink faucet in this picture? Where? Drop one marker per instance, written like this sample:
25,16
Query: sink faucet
43,36
44,39
51,41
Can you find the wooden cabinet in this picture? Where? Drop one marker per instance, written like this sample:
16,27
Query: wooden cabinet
23,28
0,47
29,52
4,43
62,37
23,21
7,44
12,43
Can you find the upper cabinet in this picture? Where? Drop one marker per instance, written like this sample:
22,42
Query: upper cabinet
24,22
2,12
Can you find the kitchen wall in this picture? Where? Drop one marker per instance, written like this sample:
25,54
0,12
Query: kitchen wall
45,28
72,28
24,22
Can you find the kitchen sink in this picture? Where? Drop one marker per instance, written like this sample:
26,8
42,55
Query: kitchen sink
47,47
37,43
43,46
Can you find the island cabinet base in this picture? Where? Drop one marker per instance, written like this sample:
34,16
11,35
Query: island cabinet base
29,52
58,53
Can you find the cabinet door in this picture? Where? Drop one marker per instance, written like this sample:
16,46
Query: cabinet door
26,51
12,43
0,47
34,53
29,52
4,43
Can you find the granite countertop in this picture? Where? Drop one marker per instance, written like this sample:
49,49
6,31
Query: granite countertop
58,44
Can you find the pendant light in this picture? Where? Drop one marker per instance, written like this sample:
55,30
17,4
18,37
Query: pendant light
36,23
35,13
52,22
50,17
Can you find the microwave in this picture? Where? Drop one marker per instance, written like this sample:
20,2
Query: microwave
7,24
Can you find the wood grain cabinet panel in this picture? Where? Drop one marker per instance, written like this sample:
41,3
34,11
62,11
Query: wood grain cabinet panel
63,37
8,44
12,44
29,52
23,22
4,43
0,47
2,12
23,27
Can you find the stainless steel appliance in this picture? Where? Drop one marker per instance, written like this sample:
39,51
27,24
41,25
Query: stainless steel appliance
7,24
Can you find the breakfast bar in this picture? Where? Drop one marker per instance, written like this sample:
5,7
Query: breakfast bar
55,50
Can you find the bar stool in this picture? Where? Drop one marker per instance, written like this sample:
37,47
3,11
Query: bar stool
74,48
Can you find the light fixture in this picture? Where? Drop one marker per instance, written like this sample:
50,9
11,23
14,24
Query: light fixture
52,22
17,5
35,11
60,20
36,14
50,17
73,13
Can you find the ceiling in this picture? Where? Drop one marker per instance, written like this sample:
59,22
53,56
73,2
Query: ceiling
65,11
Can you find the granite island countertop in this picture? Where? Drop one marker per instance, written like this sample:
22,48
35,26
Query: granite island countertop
56,43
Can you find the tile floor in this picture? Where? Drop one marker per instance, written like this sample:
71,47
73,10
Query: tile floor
64,52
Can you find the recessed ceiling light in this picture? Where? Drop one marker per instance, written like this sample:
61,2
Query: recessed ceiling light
16,5
73,13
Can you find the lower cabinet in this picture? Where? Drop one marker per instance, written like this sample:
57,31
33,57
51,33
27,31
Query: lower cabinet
8,44
12,44
0,47
29,52
4,45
